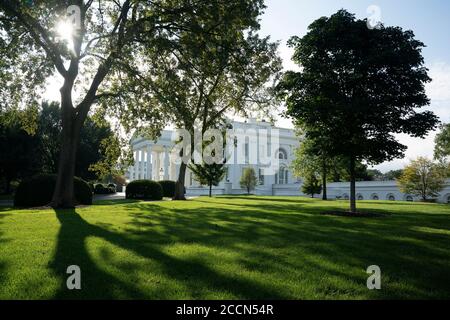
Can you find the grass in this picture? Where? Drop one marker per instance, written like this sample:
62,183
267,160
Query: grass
226,248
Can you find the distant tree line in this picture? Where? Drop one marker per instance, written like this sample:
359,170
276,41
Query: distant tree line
30,144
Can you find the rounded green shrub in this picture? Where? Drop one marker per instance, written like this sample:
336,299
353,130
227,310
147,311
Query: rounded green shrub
38,191
144,189
99,188
168,187
112,187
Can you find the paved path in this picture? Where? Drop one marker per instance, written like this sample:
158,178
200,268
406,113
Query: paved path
115,196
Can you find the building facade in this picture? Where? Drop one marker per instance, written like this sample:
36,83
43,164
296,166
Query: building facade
258,140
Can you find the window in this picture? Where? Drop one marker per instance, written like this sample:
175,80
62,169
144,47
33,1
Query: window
282,176
345,196
360,197
282,154
391,197
409,199
261,176
375,197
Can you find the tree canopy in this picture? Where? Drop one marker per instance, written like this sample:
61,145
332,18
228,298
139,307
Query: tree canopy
357,88
422,178
97,49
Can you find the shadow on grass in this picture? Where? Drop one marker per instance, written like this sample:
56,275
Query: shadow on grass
97,284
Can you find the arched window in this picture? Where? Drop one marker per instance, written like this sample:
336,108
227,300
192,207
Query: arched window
375,197
391,197
360,197
282,175
282,154
345,196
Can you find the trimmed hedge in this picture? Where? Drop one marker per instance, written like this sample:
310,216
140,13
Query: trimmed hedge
168,188
100,188
38,191
144,189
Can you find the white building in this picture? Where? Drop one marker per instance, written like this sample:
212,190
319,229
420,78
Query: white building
154,161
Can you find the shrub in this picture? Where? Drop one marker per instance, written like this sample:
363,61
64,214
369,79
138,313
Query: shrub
38,191
104,189
112,187
144,189
168,188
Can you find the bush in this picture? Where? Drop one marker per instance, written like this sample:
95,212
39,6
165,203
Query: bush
144,189
38,191
112,187
103,189
168,188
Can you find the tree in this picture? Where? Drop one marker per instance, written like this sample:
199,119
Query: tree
97,147
19,153
423,178
312,159
101,45
248,179
196,82
208,174
442,143
311,186
393,174
357,88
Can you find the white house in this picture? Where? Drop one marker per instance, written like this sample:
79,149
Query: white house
258,141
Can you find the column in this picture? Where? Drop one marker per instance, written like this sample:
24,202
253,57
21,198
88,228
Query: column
158,166
136,165
141,164
166,163
149,162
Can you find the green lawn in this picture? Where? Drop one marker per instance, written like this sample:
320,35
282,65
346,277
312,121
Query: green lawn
226,248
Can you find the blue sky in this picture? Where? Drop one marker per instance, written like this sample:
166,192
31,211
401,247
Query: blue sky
429,20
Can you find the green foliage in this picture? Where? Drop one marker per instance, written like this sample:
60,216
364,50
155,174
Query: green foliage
101,188
423,178
311,186
19,152
144,190
38,190
393,174
209,174
442,143
357,88
248,179
168,188
97,153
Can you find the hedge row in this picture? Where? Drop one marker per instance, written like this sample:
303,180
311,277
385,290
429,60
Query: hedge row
144,190
38,191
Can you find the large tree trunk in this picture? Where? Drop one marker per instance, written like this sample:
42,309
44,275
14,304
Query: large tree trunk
63,195
352,185
210,190
324,182
179,185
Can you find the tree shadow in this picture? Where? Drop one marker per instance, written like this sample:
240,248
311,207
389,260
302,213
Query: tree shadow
98,284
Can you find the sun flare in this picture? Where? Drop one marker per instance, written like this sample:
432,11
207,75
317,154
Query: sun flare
65,32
